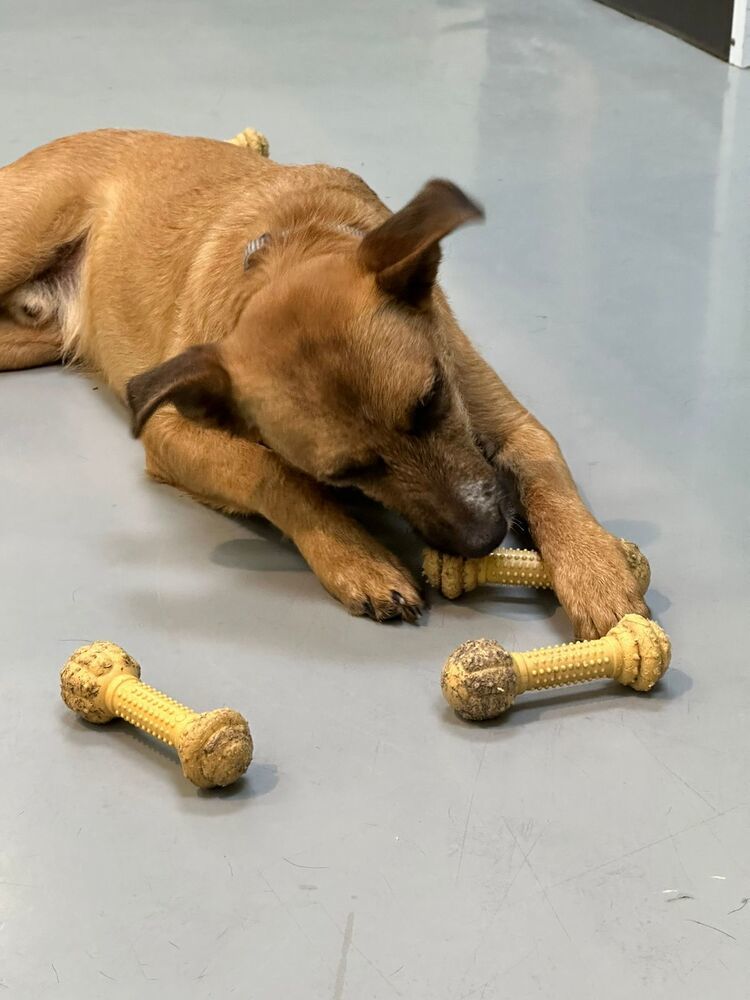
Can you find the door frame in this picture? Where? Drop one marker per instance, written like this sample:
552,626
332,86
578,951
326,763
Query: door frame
739,49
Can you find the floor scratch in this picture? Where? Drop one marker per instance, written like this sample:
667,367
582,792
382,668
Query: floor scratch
57,975
365,958
644,847
285,908
742,905
469,812
346,944
551,905
525,860
377,969
677,854
675,774
712,928
537,879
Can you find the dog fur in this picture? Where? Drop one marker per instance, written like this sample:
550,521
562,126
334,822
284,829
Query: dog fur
276,333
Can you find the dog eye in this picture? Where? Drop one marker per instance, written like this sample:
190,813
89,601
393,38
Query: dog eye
430,408
358,470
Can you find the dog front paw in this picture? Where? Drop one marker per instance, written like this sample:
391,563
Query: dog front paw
383,593
596,586
360,572
395,605
370,582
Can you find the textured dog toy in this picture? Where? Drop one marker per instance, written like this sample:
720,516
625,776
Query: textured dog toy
454,575
251,139
481,679
101,682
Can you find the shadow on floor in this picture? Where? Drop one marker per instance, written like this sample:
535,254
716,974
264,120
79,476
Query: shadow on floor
261,777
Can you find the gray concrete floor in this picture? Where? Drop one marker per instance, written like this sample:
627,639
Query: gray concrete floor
594,843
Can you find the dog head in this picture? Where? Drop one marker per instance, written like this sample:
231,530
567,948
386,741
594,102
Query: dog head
341,362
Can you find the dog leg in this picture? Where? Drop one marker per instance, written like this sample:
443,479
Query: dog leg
43,207
28,346
589,571
238,476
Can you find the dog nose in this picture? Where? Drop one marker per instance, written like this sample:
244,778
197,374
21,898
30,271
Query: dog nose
469,537
480,538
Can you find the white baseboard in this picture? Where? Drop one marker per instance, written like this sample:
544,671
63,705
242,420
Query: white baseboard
739,51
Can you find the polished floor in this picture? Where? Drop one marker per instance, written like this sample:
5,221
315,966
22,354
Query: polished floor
595,843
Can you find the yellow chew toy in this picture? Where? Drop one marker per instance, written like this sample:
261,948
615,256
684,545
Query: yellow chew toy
454,575
481,679
251,139
101,682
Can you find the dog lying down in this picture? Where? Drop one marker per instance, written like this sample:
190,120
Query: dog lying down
276,333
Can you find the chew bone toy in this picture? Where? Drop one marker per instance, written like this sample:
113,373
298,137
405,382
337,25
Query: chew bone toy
454,575
250,139
101,681
481,679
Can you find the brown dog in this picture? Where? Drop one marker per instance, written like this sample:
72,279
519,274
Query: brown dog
276,332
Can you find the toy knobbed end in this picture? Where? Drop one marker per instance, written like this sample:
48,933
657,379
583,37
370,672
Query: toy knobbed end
479,680
445,573
216,749
652,650
84,674
431,561
250,138
638,564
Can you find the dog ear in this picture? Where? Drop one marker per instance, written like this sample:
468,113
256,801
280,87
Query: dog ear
196,382
404,252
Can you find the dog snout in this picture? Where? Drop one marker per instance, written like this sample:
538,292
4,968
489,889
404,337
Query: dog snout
482,538
472,538
473,525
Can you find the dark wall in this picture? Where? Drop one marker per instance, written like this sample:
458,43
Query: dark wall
706,23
